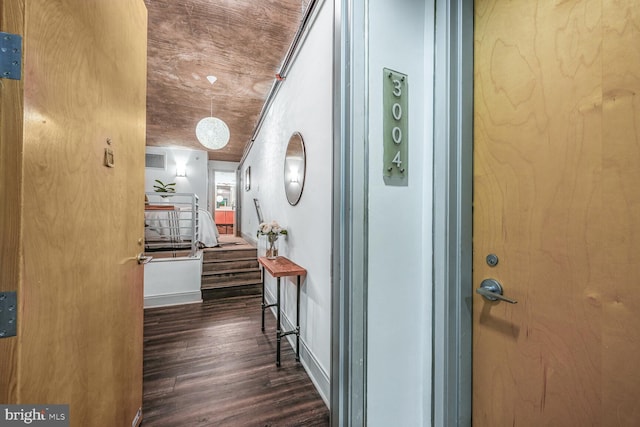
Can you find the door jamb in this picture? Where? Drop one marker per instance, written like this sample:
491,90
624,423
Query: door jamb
349,216
452,223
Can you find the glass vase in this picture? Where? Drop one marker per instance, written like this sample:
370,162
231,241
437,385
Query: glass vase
272,246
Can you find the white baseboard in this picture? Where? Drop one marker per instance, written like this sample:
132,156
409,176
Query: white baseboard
317,374
172,299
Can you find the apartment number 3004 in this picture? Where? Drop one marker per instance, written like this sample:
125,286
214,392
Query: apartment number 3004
395,125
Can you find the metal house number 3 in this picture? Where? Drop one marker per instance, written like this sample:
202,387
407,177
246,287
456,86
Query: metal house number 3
395,106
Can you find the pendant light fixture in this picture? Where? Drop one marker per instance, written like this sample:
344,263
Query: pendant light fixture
212,132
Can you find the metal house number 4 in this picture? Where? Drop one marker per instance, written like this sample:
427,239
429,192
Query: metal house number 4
395,125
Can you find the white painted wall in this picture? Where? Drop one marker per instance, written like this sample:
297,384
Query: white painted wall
195,162
399,286
304,104
169,281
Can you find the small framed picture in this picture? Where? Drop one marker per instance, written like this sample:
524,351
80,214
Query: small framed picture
247,178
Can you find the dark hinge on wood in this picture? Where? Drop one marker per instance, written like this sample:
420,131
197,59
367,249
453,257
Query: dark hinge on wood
10,56
8,314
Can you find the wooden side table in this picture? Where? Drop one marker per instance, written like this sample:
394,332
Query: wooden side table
281,267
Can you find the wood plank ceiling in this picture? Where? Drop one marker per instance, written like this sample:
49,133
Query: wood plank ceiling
241,42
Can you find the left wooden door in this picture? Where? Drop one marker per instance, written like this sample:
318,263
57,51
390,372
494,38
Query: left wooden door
72,226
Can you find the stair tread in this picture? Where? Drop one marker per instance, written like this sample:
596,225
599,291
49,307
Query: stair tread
232,291
235,270
229,284
217,261
240,266
222,259
212,254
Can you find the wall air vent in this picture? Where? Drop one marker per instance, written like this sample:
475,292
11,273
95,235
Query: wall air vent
155,161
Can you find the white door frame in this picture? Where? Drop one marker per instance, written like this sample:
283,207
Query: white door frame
452,223
349,216
453,197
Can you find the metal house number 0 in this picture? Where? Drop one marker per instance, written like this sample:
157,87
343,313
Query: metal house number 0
395,127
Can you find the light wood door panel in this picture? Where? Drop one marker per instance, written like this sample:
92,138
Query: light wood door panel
556,163
11,21
619,295
80,288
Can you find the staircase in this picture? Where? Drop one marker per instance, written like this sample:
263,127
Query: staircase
230,270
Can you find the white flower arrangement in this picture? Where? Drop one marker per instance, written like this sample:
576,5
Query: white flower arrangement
270,229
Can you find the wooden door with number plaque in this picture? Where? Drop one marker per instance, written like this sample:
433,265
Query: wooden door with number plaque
557,213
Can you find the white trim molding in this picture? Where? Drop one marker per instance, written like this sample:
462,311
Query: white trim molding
452,216
172,299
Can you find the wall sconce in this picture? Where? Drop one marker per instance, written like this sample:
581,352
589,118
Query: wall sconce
294,176
181,170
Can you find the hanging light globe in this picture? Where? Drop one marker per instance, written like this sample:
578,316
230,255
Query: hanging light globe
213,133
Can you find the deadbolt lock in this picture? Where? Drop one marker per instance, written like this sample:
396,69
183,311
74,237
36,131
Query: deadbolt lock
492,260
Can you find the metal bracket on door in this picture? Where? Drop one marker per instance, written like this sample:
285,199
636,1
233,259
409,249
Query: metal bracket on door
8,314
10,56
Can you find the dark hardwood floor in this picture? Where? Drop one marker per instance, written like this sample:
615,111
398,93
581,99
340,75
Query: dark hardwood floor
209,364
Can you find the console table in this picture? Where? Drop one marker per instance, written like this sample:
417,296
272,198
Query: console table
281,267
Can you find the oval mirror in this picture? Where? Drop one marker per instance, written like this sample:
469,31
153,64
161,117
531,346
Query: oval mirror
294,169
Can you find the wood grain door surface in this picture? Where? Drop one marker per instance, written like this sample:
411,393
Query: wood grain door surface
79,286
557,199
